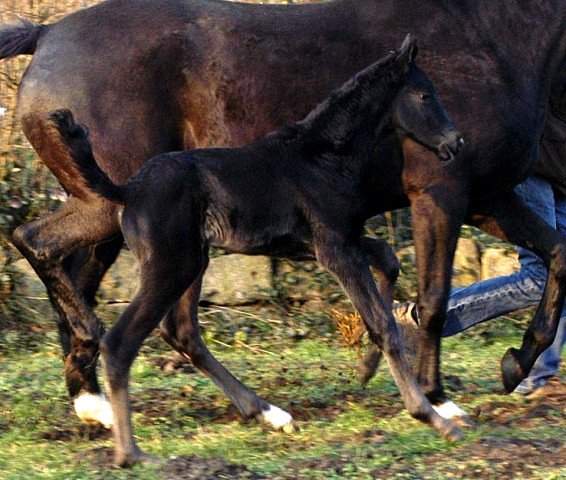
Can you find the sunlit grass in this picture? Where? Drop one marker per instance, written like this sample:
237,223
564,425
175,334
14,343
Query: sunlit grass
363,430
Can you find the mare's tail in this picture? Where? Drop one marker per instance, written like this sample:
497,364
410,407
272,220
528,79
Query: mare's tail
20,38
75,139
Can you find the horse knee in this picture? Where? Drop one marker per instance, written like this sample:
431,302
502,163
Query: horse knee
186,343
23,239
27,239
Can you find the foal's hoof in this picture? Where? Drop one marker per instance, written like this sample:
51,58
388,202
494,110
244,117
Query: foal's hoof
453,412
511,370
453,434
279,419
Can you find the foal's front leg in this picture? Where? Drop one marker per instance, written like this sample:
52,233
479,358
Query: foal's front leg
385,264
349,265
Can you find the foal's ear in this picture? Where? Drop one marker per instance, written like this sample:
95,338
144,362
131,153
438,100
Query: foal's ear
409,49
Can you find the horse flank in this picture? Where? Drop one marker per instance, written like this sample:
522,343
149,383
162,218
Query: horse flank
329,126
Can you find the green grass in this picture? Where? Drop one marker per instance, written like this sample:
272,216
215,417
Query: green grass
346,431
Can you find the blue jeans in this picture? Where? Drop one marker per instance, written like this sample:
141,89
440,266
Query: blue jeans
494,297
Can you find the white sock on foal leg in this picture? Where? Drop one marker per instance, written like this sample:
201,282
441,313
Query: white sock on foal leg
91,408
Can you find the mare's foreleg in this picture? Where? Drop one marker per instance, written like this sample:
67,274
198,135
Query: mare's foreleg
349,265
507,217
437,218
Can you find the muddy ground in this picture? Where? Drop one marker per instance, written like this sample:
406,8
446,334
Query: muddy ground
496,456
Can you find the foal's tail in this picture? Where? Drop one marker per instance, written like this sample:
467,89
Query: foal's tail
20,38
75,139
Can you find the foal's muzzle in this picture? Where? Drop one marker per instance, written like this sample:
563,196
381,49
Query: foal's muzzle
448,149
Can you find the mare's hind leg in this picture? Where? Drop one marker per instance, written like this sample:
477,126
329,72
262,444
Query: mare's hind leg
48,244
181,330
88,266
349,265
509,218
385,264
86,269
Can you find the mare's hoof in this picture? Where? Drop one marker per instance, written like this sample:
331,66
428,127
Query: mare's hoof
94,408
511,370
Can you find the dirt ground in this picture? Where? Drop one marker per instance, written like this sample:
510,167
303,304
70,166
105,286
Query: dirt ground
493,456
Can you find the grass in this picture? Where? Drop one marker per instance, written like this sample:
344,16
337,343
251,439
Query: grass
346,431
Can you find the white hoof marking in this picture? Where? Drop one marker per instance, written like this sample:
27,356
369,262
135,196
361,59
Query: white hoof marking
91,408
450,410
279,419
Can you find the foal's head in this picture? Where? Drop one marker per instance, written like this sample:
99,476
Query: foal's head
417,111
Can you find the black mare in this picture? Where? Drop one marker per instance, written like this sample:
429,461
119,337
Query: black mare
149,76
298,193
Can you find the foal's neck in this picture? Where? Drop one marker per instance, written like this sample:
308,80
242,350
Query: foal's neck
360,106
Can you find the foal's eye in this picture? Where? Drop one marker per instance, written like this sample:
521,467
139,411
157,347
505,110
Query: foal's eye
424,96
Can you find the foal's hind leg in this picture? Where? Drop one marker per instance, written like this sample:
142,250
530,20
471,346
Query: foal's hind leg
349,265
385,264
181,330
119,348
48,244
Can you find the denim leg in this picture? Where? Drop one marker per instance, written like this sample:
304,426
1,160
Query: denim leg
489,299
494,297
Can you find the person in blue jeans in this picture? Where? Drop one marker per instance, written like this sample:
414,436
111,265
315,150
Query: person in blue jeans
545,193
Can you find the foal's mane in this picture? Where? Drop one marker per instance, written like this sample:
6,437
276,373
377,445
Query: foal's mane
336,119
